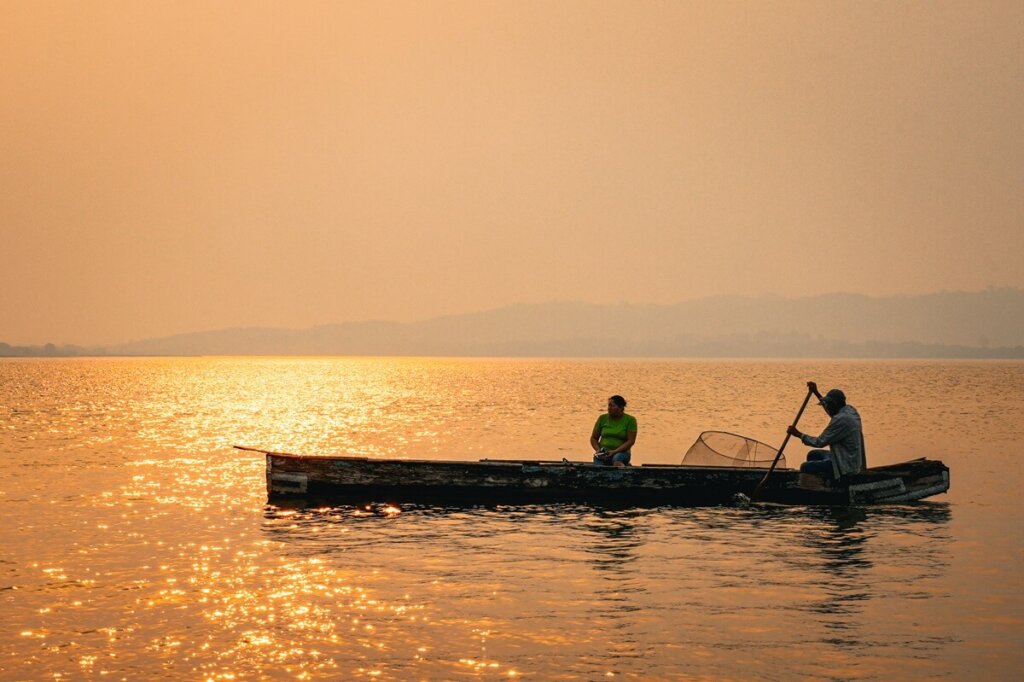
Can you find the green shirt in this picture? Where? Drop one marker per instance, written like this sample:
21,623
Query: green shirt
612,432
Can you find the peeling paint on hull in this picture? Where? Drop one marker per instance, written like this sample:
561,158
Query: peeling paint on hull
359,480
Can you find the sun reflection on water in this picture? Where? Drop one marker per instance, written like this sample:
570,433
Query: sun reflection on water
140,545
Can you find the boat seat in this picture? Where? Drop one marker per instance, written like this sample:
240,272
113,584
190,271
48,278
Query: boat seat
809,481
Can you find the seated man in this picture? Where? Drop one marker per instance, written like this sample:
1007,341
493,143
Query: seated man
843,436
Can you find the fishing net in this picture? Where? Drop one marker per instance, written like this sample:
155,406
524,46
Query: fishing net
721,449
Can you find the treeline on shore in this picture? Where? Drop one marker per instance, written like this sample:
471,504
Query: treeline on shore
740,346
48,350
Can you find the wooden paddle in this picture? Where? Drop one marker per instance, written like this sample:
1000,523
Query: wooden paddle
764,481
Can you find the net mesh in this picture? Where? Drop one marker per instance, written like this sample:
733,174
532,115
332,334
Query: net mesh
721,449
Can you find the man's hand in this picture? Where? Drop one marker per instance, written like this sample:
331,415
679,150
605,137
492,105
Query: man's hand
813,388
792,430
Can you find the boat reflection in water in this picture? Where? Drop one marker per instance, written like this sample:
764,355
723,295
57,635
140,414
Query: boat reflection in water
659,592
863,569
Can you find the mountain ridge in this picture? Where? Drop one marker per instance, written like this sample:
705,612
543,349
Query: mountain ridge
988,323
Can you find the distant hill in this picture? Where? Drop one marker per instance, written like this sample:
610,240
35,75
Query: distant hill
48,350
985,324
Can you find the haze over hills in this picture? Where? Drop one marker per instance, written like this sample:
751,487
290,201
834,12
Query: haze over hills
988,323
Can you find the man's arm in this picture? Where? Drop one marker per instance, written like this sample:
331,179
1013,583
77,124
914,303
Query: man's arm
837,429
792,430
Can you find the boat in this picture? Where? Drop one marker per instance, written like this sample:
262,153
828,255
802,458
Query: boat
358,480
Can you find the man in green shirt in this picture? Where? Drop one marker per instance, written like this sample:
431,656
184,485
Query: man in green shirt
614,434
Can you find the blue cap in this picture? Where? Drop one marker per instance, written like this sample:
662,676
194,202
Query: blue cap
833,397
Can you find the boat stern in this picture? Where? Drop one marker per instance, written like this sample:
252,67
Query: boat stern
285,482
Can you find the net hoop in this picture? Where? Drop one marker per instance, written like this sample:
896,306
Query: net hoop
724,449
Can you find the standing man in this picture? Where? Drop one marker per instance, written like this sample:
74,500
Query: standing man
843,437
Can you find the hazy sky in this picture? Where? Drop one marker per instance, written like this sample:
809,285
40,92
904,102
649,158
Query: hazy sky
176,166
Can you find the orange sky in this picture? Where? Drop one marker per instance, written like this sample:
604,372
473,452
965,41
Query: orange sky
178,166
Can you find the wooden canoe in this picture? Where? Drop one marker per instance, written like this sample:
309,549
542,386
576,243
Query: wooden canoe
359,480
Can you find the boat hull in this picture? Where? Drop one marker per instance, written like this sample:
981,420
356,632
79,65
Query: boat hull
363,480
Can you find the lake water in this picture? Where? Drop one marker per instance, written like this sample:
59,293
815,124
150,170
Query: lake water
136,543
